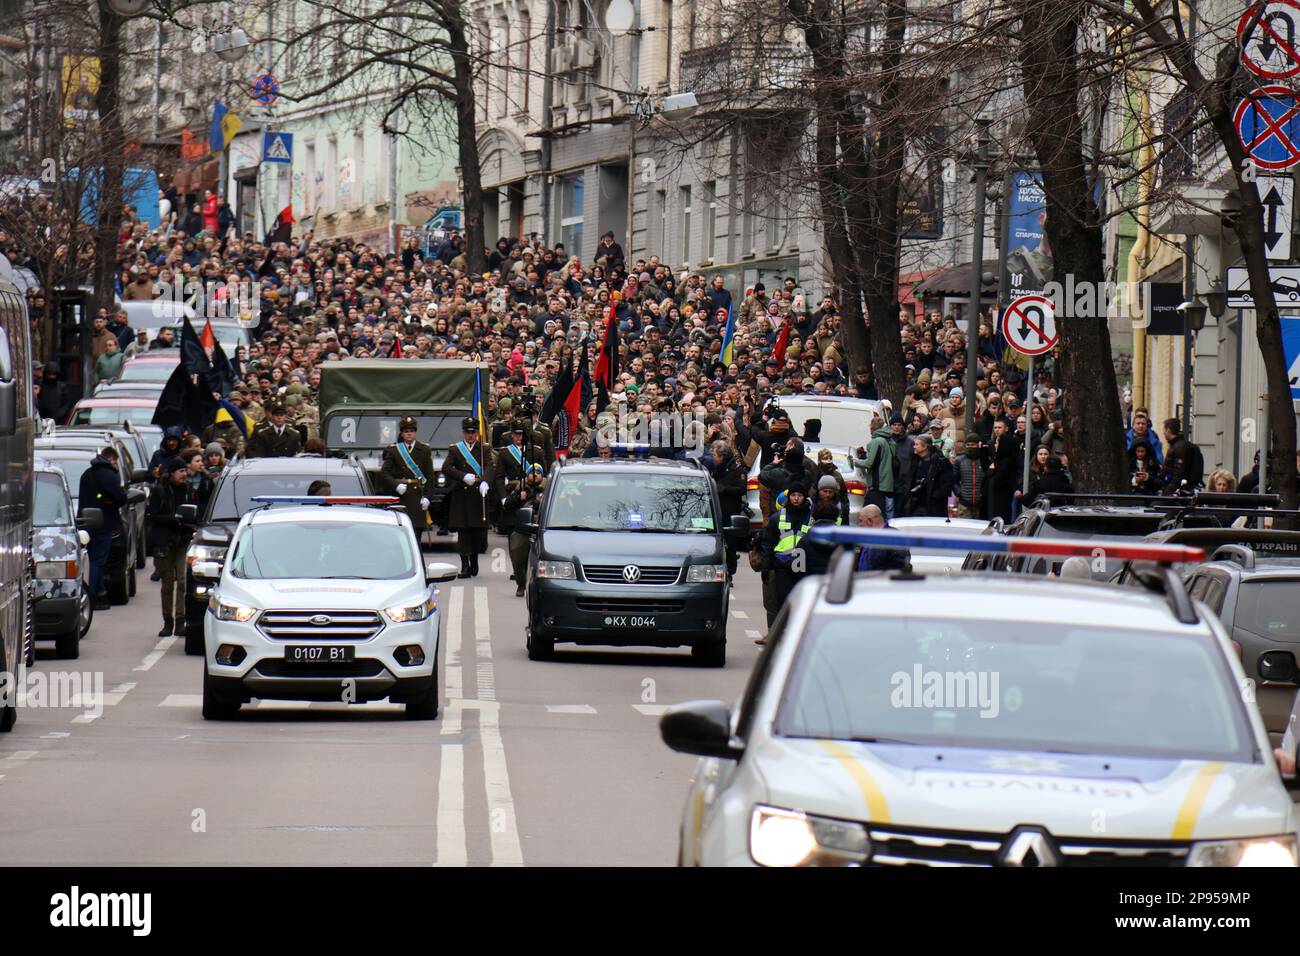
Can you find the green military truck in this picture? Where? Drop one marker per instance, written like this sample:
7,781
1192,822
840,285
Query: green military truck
362,401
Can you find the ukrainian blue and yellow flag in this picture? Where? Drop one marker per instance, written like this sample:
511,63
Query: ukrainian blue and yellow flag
225,125
477,411
728,349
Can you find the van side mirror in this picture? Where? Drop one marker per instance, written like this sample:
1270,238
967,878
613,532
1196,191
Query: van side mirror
92,519
525,521
188,514
8,408
139,476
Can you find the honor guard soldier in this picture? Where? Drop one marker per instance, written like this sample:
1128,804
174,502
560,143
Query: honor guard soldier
514,457
408,464
469,471
520,494
274,438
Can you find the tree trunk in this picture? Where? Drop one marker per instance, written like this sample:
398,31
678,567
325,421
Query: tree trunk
467,138
1050,72
830,116
874,227
112,153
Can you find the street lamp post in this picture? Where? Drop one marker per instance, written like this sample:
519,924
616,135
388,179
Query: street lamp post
981,166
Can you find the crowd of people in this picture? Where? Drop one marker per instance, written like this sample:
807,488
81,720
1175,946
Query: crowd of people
538,305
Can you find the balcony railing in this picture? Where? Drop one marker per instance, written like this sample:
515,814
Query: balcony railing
741,71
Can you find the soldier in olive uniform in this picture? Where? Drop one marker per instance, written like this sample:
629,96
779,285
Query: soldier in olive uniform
408,464
514,457
275,438
469,471
522,494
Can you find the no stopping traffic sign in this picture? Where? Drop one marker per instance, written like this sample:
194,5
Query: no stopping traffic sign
1029,325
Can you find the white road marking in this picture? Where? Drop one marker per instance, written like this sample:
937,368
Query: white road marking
570,709
451,759
451,634
182,700
753,632
21,755
86,718
55,735
123,688
739,615
150,659
650,710
501,805
502,824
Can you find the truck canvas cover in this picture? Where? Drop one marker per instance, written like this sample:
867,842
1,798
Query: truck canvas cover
399,384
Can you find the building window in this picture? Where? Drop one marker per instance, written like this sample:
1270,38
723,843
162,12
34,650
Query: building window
711,222
309,194
526,26
661,200
503,102
358,186
330,202
571,190
667,21
686,226
775,217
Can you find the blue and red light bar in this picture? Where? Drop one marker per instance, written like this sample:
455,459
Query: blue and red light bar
996,544
325,500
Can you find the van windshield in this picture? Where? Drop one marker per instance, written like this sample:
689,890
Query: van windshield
613,502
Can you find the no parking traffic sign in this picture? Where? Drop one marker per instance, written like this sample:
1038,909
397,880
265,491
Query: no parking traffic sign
1029,325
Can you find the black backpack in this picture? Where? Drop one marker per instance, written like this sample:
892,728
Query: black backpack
1195,466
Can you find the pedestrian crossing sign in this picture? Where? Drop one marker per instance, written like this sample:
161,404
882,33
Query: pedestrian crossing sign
277,147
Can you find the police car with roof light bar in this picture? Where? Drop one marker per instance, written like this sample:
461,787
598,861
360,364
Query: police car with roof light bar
898,719
325,599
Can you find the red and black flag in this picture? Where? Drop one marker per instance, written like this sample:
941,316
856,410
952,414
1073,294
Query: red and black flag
607,363
282,228
782,341
563,405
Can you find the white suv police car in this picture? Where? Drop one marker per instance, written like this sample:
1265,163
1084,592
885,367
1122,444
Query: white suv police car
318,599
896,719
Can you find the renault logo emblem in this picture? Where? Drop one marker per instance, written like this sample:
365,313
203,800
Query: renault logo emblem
1029,846
320,620
631,573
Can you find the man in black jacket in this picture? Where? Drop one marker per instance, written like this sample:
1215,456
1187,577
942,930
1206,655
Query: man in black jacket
732,483
929,481
171,539
101,487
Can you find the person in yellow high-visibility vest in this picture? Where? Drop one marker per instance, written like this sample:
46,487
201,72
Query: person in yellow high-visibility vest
779,543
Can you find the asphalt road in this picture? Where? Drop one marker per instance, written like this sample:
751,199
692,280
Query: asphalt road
557,763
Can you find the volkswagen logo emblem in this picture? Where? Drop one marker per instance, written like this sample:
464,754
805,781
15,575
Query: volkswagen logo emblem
320,620
1029,846
631,573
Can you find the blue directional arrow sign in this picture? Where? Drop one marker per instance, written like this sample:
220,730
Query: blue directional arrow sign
1268,125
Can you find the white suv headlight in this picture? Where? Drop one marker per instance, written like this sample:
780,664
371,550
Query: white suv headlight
230,611
1261,851
706,573
556,569
793,838
415,612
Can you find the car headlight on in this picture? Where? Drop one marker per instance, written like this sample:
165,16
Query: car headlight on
204,552
706,573
793,838
1261,851
230,611
562,570
56,570
415,612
